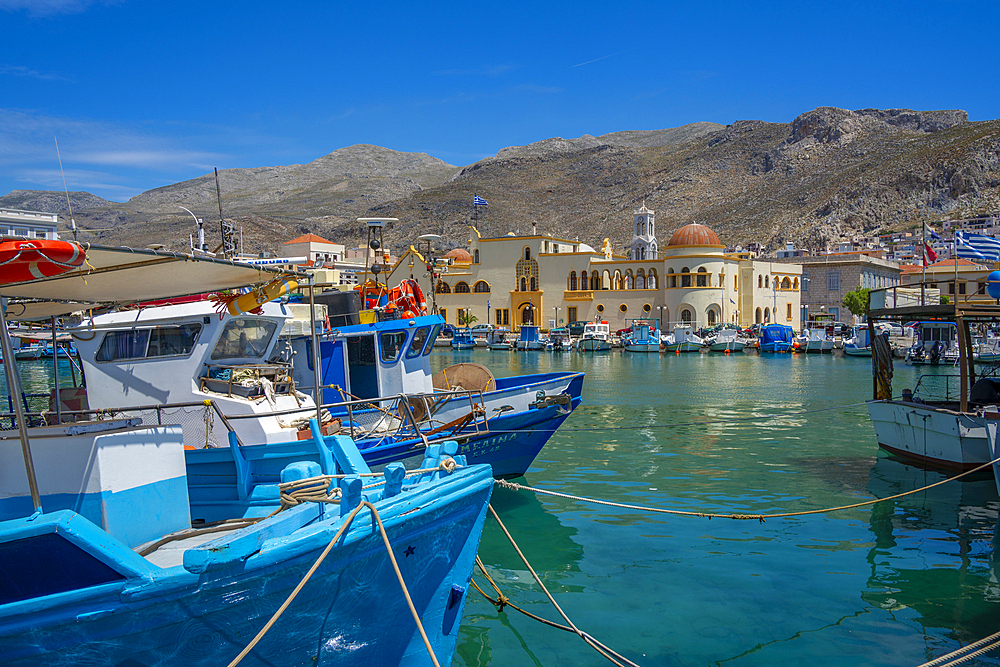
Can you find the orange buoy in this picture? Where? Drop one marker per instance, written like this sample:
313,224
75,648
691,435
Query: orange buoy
32,259
727,351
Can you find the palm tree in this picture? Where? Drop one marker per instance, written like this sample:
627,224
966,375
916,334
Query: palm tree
466,318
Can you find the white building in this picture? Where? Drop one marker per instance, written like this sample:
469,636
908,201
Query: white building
29,224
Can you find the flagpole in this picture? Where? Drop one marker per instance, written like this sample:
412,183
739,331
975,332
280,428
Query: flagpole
923,255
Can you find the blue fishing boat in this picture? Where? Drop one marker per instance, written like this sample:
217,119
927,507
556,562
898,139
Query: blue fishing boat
529,338
775,338
463,339
111,553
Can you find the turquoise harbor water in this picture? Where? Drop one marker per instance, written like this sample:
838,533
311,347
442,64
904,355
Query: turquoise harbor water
896,584
899,583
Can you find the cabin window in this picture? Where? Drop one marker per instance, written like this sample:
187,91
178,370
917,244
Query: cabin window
417,344
244,337
123,345
143,343
432,337
391,345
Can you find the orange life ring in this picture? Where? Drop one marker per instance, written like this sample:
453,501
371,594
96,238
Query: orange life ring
21,261
408,297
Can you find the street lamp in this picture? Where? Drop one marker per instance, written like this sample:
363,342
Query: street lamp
557,315
659,317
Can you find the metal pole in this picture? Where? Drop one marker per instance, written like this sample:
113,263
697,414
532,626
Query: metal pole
14,388
316,355
55,370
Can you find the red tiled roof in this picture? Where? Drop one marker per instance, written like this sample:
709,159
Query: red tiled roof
309,238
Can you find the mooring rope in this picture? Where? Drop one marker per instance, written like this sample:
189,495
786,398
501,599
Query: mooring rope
616,659
966,653
315,566
739,517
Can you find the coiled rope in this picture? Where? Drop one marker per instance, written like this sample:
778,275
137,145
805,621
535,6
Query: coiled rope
739,517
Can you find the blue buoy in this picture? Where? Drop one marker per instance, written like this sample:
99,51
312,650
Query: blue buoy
993,284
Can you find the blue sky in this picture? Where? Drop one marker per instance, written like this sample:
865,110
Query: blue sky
142,94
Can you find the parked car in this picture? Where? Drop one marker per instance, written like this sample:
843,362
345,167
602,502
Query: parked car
576,328
447,331
481,330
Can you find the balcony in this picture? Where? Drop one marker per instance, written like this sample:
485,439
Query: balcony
578,295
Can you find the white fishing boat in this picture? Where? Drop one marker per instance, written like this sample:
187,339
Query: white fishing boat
936,344
530,339
859,345
726,340
643,337
936,423
682,339
816,340
596,337
498,339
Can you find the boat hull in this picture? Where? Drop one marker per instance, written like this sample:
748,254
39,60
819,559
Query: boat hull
732,346
593,345
642,347
351,611
852,351
776,347
686,346
934,436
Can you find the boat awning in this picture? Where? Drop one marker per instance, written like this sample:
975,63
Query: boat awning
117,275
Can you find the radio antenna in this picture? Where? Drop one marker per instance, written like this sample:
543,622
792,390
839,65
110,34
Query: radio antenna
72,222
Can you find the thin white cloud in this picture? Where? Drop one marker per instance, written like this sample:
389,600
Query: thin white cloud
610,55
494,70
50,8
20,70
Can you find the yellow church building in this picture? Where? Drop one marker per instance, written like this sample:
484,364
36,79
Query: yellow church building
547,281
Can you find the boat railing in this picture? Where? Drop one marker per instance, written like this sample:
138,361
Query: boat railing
932,388
204,424
929,293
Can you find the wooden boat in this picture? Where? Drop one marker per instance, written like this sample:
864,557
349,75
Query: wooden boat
938,428
596,337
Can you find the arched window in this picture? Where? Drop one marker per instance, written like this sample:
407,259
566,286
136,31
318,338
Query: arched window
606,279
584,280
767,314
527,253
475,256
443,288
534,283
702,277
767,281
640,279
687,316
685,277
711,317
795,284
651,281
617,280
524,284
595,281
760,281
572,280
786,283
736,284
757,316
672,277
481,287
629,280
461,287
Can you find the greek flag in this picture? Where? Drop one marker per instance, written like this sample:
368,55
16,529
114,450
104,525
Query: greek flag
930,232
977,246
479,201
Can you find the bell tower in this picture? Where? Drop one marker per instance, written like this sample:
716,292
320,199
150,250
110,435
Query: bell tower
643,234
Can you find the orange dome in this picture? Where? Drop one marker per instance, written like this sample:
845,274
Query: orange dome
694,234
459,255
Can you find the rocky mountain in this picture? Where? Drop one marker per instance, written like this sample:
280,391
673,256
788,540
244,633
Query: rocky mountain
829,172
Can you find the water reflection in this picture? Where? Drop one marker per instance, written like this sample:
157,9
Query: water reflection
934,559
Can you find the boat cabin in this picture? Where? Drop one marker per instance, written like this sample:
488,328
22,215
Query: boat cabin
186,353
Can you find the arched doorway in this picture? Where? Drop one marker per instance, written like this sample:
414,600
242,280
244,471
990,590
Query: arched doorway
529,314
756,318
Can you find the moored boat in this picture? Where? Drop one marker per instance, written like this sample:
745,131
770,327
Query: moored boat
859,345
643,337
775,338
683,339
726,340
103,565
596,337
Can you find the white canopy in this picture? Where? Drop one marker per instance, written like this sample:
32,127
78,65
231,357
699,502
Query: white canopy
118,275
